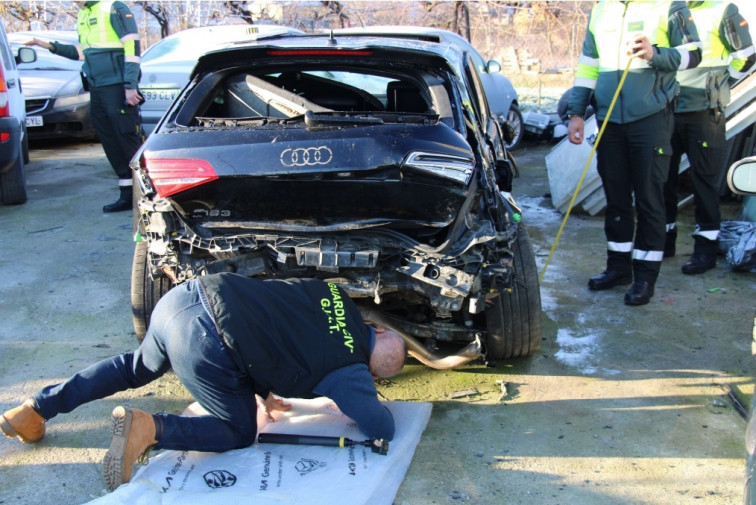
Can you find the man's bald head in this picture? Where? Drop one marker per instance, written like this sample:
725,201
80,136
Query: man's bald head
388,355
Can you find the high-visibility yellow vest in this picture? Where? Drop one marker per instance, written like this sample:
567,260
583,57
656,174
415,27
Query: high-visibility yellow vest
94,28
650,87
707,86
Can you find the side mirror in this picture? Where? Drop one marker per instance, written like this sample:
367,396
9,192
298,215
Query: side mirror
742,176
493,67
26,55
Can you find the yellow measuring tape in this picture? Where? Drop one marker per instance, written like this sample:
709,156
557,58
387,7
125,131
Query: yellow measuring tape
585,169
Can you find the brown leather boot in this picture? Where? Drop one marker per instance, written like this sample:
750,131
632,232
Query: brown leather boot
23,422
133,438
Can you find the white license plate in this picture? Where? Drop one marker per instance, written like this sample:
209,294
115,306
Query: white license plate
32,121
154,95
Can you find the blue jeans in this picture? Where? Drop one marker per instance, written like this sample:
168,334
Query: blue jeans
183,336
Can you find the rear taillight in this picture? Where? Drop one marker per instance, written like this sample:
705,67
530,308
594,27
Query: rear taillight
455,168
319,52
4,105
171,176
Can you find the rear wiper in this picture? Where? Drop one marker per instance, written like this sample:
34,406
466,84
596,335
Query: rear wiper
339,119
220,122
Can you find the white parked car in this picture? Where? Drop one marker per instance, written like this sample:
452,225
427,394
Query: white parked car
166,65
501,95
14,143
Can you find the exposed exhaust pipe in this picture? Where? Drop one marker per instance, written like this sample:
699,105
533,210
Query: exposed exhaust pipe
417,350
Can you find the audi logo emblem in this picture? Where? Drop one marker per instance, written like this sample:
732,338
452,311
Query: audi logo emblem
304,156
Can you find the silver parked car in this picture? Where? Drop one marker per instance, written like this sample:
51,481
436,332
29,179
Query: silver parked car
501,95
166,65
57,105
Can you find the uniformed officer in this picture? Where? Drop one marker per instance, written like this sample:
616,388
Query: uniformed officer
110,48
633,154
232,341
727,55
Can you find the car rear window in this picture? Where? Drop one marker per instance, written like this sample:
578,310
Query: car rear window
289,93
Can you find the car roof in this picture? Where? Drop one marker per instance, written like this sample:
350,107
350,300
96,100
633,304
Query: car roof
412,32
68,36
330,42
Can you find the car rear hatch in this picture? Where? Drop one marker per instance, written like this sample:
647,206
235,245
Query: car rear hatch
350,139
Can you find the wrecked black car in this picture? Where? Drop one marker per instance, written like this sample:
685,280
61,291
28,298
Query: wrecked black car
366,161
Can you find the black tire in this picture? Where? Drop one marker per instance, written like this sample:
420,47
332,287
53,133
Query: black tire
25,147
13,184
145,292
514,120
514,319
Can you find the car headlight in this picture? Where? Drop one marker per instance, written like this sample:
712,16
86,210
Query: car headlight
457,168
71,101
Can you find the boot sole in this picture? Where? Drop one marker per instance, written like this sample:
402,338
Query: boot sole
7,429
635,302
622,281
697,270
113,464
9,432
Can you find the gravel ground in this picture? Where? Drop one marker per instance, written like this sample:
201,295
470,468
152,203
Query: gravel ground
621,405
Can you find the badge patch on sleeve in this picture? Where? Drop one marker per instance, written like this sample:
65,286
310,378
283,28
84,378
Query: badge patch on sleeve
635,26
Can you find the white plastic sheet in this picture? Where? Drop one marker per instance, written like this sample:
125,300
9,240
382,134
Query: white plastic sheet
274,474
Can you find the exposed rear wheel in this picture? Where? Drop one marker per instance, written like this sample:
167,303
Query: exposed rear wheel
145,292
514,319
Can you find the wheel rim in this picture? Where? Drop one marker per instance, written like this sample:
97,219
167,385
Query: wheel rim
513,119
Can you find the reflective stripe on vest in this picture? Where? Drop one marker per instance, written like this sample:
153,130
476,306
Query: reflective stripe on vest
95,29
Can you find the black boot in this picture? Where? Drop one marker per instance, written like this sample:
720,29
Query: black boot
123,202
640,293
608,279
618,271
704,256
669,243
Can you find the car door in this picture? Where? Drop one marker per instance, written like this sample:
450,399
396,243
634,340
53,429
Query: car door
490,126
503,164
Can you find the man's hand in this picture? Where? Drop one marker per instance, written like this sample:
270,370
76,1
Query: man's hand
270,404
37,42
640,47
575,130
132,96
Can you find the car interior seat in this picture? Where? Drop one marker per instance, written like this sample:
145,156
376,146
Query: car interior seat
404,97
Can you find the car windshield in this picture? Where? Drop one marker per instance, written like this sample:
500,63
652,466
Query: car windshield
189,45
175,49
48,61
334,91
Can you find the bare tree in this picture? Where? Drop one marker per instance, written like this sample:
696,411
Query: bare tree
28,13
337,9
242,11
461,10
160,14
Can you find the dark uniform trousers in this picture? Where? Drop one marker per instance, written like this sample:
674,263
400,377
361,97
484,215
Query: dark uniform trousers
633,161
701,135
117,126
